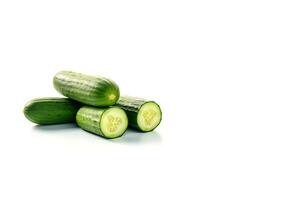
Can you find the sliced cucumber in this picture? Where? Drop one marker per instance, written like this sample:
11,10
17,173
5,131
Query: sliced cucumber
149,116
107,122
142,114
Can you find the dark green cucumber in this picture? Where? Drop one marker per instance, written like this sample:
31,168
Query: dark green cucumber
51,110
109,122
90,90
142,114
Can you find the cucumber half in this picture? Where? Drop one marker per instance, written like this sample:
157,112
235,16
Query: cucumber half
142,114
107,122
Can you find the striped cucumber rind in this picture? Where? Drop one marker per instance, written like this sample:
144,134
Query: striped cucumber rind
51,110
90,90
143,114
110,122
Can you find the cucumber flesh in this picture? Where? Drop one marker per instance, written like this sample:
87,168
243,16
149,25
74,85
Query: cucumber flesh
107,122
142,114
113,122
149,116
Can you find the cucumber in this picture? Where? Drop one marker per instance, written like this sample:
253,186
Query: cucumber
109,122
90,90
142,114
51,110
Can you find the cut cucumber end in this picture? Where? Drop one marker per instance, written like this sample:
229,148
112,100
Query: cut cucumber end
149,116
113,122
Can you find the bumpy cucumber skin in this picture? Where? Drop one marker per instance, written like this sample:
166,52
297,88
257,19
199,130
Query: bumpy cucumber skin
46,111
132,105
88,118
90,90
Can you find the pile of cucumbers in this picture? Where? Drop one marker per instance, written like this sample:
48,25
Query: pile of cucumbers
95,104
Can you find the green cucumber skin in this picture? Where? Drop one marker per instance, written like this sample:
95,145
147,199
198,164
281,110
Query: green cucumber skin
88,118
52,110
132,105
90,90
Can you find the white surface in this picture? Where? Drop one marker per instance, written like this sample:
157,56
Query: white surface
226,74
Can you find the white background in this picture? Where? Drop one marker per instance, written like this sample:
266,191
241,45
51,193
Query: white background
226,74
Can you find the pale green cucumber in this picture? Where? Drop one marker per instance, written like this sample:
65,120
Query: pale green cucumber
142,114
108,122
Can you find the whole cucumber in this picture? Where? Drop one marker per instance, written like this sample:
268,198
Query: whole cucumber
90,90
51,110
